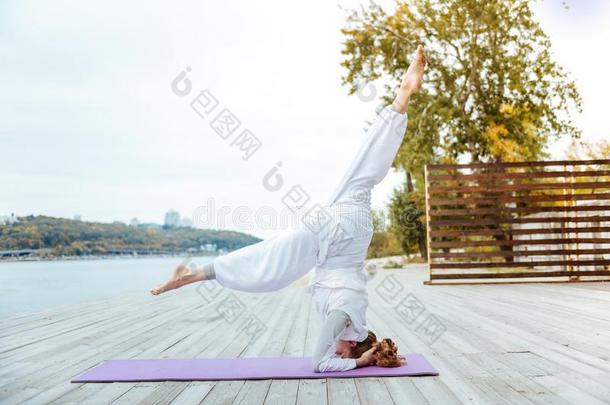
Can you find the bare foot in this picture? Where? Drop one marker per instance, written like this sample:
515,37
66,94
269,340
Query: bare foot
411,81
173,282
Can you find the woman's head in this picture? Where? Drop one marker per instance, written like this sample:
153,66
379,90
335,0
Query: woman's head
386,352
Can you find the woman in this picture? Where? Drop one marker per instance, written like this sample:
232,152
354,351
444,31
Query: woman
335,250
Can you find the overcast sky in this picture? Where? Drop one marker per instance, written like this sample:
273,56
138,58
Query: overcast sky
89,124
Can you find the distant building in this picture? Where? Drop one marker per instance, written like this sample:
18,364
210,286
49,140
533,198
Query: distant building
172,218
150,225
208,247
77,217
134,222
186,223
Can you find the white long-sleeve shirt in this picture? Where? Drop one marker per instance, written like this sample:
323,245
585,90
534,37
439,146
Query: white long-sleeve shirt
324,356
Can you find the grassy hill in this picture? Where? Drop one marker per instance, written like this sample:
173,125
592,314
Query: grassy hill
59,236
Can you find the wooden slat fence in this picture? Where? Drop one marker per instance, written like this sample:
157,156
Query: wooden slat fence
522,221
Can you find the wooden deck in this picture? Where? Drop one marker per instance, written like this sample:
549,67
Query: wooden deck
516,343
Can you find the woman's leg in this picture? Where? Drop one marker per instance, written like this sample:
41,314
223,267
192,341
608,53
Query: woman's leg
271,264
411,82
384,137
268,265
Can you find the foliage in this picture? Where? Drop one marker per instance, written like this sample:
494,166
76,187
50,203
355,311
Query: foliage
384,243
492,91
582,150
69,237
408,220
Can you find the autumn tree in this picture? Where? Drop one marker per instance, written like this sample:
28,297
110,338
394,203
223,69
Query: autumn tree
492,91
581,150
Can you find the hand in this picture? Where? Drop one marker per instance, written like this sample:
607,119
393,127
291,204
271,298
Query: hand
368,358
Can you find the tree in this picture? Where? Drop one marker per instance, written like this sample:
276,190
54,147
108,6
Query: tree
491,93
383,243
408,220
581,150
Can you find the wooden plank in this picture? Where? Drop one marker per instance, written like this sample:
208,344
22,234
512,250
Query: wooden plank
510,232
285,391
342,391
193,393
372,391
502,210
538,263
520,242
528,187
536,274
404,392
428,227
515,253
312,392
224,392
516,175
511,220
437,167
282,392
505,198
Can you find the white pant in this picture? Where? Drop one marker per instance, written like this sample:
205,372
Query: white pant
278,261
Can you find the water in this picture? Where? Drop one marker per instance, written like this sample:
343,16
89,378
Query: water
27,287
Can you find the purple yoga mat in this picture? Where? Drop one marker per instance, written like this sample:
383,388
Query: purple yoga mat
243,368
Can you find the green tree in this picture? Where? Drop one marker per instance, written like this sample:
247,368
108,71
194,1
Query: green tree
408,219
383,243
492,91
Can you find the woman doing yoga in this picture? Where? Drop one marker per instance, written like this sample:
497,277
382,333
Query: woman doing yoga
335,252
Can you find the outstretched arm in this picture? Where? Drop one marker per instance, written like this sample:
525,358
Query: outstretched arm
324,358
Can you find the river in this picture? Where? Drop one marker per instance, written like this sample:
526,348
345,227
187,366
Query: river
27,287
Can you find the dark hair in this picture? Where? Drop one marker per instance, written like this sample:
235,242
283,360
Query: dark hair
386,353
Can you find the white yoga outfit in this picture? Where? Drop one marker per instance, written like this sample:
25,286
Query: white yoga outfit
335,253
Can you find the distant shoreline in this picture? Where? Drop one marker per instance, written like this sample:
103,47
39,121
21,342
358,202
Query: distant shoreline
103,257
